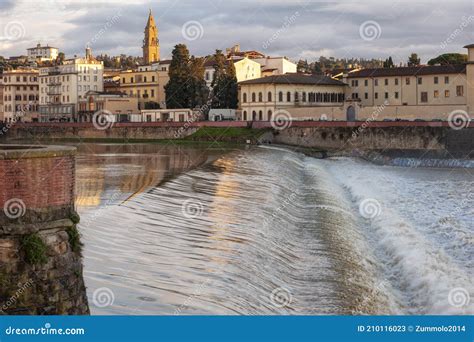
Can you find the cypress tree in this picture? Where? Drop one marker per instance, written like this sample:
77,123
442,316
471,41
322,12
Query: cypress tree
177,89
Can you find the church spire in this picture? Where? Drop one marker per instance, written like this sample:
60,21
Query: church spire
151,45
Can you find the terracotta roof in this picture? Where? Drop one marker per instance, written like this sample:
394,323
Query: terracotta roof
295,79
410,71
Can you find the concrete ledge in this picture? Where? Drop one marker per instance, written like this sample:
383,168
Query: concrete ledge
11,151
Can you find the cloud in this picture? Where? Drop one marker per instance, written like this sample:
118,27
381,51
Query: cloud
319,27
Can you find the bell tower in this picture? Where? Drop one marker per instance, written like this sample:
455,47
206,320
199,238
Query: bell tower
151,44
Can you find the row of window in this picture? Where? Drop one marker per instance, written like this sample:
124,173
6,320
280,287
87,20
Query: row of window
424,94
87,79
21,108
18,88
88,69
54,79
139,79
145,93
25,97
47,99
56,110
305,97
355,83
8,79
254,116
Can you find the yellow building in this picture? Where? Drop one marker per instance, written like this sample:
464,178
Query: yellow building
146,84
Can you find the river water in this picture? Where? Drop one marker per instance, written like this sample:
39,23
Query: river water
199,230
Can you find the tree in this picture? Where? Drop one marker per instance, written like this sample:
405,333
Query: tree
388,63
60,58
232,87
449,59
177,89
224,84
219,66
303,67
316,69
198,89
413,60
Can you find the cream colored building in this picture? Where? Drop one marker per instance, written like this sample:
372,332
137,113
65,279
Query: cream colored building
146,84
42,53
20,95
276,65
260,99
405,93
63,86
245,69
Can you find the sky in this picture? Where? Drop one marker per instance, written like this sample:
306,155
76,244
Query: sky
295,29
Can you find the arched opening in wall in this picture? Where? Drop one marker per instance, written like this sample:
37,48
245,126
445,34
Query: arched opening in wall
324,135
269,97
260,115
350,113
245,115
245,97
270,115
254,115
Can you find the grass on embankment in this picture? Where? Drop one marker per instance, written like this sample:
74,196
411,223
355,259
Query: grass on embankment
226,133
205,135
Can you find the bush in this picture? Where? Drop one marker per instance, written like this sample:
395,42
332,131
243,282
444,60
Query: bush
34,249
74,239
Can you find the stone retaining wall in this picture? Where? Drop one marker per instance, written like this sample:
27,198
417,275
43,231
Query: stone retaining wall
40,247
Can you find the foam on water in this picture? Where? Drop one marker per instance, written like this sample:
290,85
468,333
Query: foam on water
411,246
221,238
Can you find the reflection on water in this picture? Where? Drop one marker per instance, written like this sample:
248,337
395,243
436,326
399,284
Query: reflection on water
112,173
181,230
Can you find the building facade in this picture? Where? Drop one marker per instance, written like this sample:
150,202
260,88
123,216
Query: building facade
261,98
146,84
404,93
42,53
20,95
151,44
245,69
119,105
61,87
276,66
